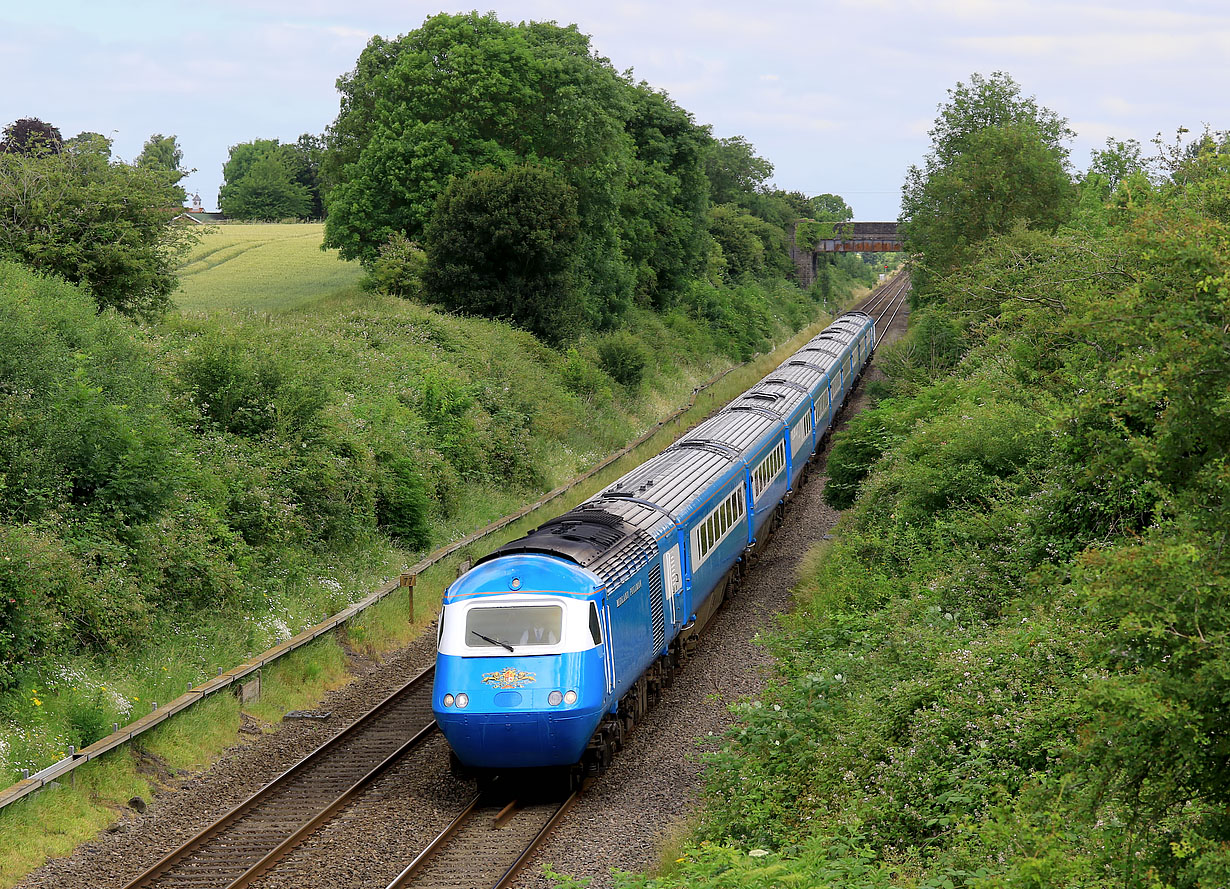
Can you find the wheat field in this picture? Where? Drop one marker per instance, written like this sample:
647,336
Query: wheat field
264,267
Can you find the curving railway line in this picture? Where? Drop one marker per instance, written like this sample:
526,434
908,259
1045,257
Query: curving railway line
484,845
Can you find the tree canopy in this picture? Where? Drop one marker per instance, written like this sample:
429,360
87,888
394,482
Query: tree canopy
31,136
161,153
502,244
996,158
464,93
77,214
265,179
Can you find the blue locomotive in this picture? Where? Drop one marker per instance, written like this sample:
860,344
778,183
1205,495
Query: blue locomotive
554,645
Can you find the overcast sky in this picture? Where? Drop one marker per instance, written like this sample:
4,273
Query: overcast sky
838,95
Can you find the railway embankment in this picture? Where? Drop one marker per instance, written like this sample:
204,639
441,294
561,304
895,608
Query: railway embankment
1008,666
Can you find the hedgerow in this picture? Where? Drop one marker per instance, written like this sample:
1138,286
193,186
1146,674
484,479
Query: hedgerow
1010,668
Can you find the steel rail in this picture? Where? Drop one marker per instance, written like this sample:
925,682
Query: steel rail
402,879
484,872
537,841
214,850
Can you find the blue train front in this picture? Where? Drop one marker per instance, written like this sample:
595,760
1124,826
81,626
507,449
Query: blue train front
519,673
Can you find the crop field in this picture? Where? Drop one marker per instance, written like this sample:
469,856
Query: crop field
268,267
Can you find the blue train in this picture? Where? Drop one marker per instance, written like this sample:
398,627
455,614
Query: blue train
554,645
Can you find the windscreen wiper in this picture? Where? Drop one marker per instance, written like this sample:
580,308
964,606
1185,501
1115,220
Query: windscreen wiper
492,641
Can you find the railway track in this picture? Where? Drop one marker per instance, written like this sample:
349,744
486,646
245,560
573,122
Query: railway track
886,301
250,838
486,845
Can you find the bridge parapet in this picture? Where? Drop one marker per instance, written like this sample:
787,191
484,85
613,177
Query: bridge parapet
849,237
861,237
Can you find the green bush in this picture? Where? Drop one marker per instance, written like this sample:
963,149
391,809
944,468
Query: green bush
401,503
856,450
581,378
398,268
503,244
623,359
251,393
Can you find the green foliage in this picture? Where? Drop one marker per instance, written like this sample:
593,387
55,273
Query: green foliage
933,345
502,244
856,450
251,394
466,93
734,169
1011,666
259,182
32,137
162,154
102,224
582,378
623,359
738,234
996,158
402,506
398,268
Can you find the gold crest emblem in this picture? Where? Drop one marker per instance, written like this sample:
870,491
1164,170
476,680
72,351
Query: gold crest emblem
508,678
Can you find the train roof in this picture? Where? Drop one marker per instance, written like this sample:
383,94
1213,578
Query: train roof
733,431
612,538
843,337
783,397
673,479
822,355
798,372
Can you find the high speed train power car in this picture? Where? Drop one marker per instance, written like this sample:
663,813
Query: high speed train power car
553,645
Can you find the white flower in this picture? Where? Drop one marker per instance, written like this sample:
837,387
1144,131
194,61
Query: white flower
758,853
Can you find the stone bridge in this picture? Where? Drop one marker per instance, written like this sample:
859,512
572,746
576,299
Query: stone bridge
850,237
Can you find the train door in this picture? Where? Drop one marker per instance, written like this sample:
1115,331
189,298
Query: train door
608,653
672,573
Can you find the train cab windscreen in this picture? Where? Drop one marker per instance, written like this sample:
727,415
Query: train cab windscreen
514,626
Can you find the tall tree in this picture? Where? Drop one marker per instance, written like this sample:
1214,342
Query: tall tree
734,169
264,179
997,158
162,154
31,136
89,143
502,244
266,190
463,92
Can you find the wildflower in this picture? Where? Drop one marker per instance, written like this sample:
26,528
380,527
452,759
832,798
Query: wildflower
758,853
37,702
681,860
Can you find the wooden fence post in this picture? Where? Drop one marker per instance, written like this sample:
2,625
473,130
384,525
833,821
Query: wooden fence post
407,582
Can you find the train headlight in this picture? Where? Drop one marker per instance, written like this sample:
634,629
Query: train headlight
448,700
463,701
570,697
555,698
